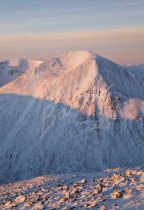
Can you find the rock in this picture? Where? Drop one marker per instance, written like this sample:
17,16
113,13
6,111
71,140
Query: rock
40,193
142,178
44,190
116,177
115,204
63,200
21,199
117,194
52,208
128,173
139,187
66,187
60,187
64,208
83,181
129,191
103,208
29,203
80,188
87,205
9,205
75,204
96,191
99,188
38,206
67,195
93,204
75,191
134,179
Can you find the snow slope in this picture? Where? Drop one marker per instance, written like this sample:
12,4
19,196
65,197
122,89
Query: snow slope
11,69
77,112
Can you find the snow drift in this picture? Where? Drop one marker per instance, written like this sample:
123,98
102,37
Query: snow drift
76,112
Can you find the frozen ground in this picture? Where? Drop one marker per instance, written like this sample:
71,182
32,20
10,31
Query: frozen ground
112,189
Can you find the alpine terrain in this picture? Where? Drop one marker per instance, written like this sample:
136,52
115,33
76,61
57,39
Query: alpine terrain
78,112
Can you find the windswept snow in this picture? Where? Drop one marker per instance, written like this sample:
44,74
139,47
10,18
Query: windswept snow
76,112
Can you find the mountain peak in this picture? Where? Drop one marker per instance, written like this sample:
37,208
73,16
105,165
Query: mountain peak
77,111
71,59
83,54
78,57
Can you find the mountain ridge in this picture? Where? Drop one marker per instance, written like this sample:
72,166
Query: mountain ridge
77,112
13,68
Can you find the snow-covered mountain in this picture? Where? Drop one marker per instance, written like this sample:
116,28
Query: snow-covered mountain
76,112
11,69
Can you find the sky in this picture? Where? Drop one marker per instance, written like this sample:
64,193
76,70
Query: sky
39,29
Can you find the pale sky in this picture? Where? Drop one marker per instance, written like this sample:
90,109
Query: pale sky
39,29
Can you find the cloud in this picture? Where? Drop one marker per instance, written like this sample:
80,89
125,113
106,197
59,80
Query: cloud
126,35
120,42
123,3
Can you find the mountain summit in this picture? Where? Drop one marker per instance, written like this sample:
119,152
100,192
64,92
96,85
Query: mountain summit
78,111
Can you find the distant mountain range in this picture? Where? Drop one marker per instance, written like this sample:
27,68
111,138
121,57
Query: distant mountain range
11,69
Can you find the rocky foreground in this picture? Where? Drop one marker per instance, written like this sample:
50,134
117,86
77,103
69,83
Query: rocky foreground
112,189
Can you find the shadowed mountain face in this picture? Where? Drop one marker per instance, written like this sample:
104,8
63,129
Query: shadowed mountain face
78,112
62,140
